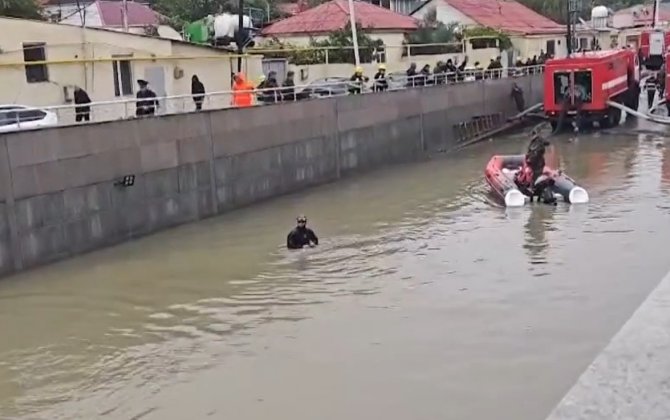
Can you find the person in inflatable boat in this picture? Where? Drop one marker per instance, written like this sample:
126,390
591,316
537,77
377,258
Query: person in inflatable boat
533,167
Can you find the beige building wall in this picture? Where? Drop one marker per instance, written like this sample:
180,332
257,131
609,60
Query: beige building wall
529,45
85,58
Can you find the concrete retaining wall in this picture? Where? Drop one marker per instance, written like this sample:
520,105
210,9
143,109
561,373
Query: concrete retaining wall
629,378
57,192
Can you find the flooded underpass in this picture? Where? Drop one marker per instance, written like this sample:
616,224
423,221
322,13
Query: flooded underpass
425,299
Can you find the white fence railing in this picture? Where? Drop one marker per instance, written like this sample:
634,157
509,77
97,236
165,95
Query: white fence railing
21,118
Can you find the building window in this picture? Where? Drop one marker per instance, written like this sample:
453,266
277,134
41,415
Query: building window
35,73
583,43
123,77
551,47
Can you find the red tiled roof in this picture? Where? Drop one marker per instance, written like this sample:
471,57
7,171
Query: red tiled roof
506,15
334,15
138,14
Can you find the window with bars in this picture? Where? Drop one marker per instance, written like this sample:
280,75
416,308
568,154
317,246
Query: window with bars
35,51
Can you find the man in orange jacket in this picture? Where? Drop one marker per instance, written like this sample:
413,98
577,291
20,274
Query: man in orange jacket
243,95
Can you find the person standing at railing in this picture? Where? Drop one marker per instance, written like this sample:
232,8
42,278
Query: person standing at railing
272,94
288,87
495,68
460,70
424,76
82,111
146,100
198,92
381,83
411,75
479,71
357,81
243,95
261,82
439,73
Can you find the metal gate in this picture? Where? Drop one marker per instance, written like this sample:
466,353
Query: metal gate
278,65
156,78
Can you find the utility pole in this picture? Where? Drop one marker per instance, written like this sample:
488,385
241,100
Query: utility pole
240,35
354,35
124,12
574,6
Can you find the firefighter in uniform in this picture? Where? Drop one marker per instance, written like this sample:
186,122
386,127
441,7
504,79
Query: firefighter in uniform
651,86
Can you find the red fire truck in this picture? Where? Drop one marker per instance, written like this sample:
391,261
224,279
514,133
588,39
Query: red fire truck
578,87
653,43
667,80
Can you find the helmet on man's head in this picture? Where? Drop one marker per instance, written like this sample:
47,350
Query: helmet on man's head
301,219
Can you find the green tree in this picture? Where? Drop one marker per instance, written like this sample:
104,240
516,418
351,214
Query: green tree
25,9
180,12
504,40
339,45
432,31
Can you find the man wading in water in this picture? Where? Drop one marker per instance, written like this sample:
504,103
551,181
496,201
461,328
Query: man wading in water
301,236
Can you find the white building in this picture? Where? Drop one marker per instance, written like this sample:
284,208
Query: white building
530,32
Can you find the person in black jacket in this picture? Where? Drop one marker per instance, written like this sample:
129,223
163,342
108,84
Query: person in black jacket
82,113
517,95
146,100
301,236
198,92
288,88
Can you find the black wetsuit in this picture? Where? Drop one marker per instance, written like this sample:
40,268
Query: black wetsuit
535,156
517,95
299,237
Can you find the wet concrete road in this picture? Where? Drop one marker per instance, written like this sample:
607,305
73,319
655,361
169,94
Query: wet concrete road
425,300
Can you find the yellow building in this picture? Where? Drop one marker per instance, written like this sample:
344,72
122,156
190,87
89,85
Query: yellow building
107,65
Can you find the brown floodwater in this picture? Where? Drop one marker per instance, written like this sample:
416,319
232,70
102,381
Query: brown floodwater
425,300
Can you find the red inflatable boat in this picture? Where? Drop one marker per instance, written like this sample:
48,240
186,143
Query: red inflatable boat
500,173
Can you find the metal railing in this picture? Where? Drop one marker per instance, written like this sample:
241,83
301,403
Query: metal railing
120,109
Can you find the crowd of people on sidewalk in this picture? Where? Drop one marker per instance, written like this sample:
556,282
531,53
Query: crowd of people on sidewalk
269,90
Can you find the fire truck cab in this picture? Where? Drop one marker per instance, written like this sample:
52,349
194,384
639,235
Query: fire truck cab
653,43
578,87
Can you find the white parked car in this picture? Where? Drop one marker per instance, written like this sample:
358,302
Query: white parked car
21,117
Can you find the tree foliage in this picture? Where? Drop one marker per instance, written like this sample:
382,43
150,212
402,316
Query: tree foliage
504,40
432,31
339,45
181,12
25,9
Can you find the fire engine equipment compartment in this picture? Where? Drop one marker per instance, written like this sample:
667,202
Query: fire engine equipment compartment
653,43
578,87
